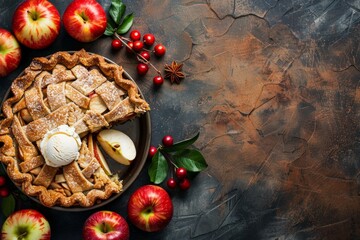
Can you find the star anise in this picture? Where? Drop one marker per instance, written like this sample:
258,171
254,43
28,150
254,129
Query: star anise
173,72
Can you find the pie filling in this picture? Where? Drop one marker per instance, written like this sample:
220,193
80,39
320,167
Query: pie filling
52,109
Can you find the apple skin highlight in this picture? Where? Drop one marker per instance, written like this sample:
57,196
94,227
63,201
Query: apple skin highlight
28,223
85,20
36,23
150,208
10,53
104,225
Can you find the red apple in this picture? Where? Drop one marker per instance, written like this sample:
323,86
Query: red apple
26,224
10,53
85,20
150,208
36,23
103,225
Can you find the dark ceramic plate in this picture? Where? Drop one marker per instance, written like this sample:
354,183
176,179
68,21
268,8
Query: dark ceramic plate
139,130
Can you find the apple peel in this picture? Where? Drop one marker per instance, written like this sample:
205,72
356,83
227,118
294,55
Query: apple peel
26,222
94,148
150,208
10,53
106,225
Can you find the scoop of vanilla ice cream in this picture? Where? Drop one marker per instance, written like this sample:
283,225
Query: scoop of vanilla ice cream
60,146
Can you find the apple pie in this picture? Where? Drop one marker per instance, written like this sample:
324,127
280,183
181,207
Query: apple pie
48,120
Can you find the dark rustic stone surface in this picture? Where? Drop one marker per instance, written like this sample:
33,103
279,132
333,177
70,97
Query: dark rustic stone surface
273,87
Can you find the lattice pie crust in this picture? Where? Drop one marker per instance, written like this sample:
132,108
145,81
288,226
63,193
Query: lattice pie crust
56,91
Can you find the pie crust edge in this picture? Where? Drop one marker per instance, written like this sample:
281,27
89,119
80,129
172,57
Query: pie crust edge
8,152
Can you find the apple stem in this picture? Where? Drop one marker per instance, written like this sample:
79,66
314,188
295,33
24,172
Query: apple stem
84,17
22,236
104,226
33,15
139,57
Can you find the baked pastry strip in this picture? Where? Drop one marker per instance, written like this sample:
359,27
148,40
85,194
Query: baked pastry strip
29,165
56,95
121,111
94,120
26,148
110,94
77,97
75,179
35,102
38,128
60,74
91,168
86,81
46,175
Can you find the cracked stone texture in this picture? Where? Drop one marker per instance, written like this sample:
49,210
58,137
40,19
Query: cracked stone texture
276,84
273,88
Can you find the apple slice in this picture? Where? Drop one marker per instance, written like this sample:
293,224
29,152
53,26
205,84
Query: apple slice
25,115
118,145
36,171
92,145
65,185
59,178
97,104
55,185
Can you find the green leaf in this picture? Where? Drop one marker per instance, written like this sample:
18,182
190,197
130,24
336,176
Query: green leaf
8,205
158,168
117,10
190,159
110,30
182,144
126,24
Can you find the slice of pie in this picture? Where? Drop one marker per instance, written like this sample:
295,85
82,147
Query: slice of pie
51,110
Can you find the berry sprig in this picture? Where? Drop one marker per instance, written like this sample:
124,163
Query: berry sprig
178,158
119,24
181,176
143,55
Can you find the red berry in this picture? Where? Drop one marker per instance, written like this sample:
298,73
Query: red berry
158,80
4,192
146,55
181,173
116,44
149,39
138,45
135,35
184,184
168,140
159,50
129,47
2,181
152,151
171,183
142,68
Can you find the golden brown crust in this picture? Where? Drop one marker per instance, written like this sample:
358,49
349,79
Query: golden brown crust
20,140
